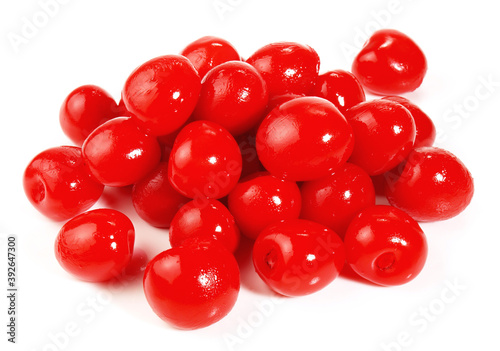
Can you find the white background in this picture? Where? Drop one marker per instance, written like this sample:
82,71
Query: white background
101,42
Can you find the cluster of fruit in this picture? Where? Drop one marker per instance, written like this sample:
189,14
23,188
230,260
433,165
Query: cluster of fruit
214,146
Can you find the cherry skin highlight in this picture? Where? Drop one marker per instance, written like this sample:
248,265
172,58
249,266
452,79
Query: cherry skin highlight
390,63
424,127
384,133
433,185
162,93
334,200
298,257
341,88
120,152
59,184
304,139
192,286
261,199
287,68
96,246
385,246
233,95
210,220
85,109
209,52
205,161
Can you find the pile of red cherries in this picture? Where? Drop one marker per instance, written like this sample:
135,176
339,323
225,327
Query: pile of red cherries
214,146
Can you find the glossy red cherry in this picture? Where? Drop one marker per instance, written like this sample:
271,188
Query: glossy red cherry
84,109
385,246
334,200
433,185
384,132
234,95
298,257
250,159
287,67
277,100
155,200
390,63
120,152
209,52
341,88
425,129
162,93
96,246
192,286
58,183
303,139
205,161
262,199
208,220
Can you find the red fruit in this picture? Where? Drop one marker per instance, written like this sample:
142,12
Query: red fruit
209,52
84,109
341,88
192,286
162,93
205,161
96,246
277,100
233,95
286,67
260,200
433,185
425,129
209,220
334,200
384,132
298,257
58,183
304,139
385,246
390,63
155,200
120,152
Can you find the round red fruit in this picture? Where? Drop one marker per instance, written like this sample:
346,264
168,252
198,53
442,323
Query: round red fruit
390,63
334,200
262,199
304,139
277,100
209,52
155,200
207,220
233,95
84,109
192,286
59,184
298,257
205,161
385,246
425,129
120,152
287,67
162,93
341,88
96,246
433,185
384,132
